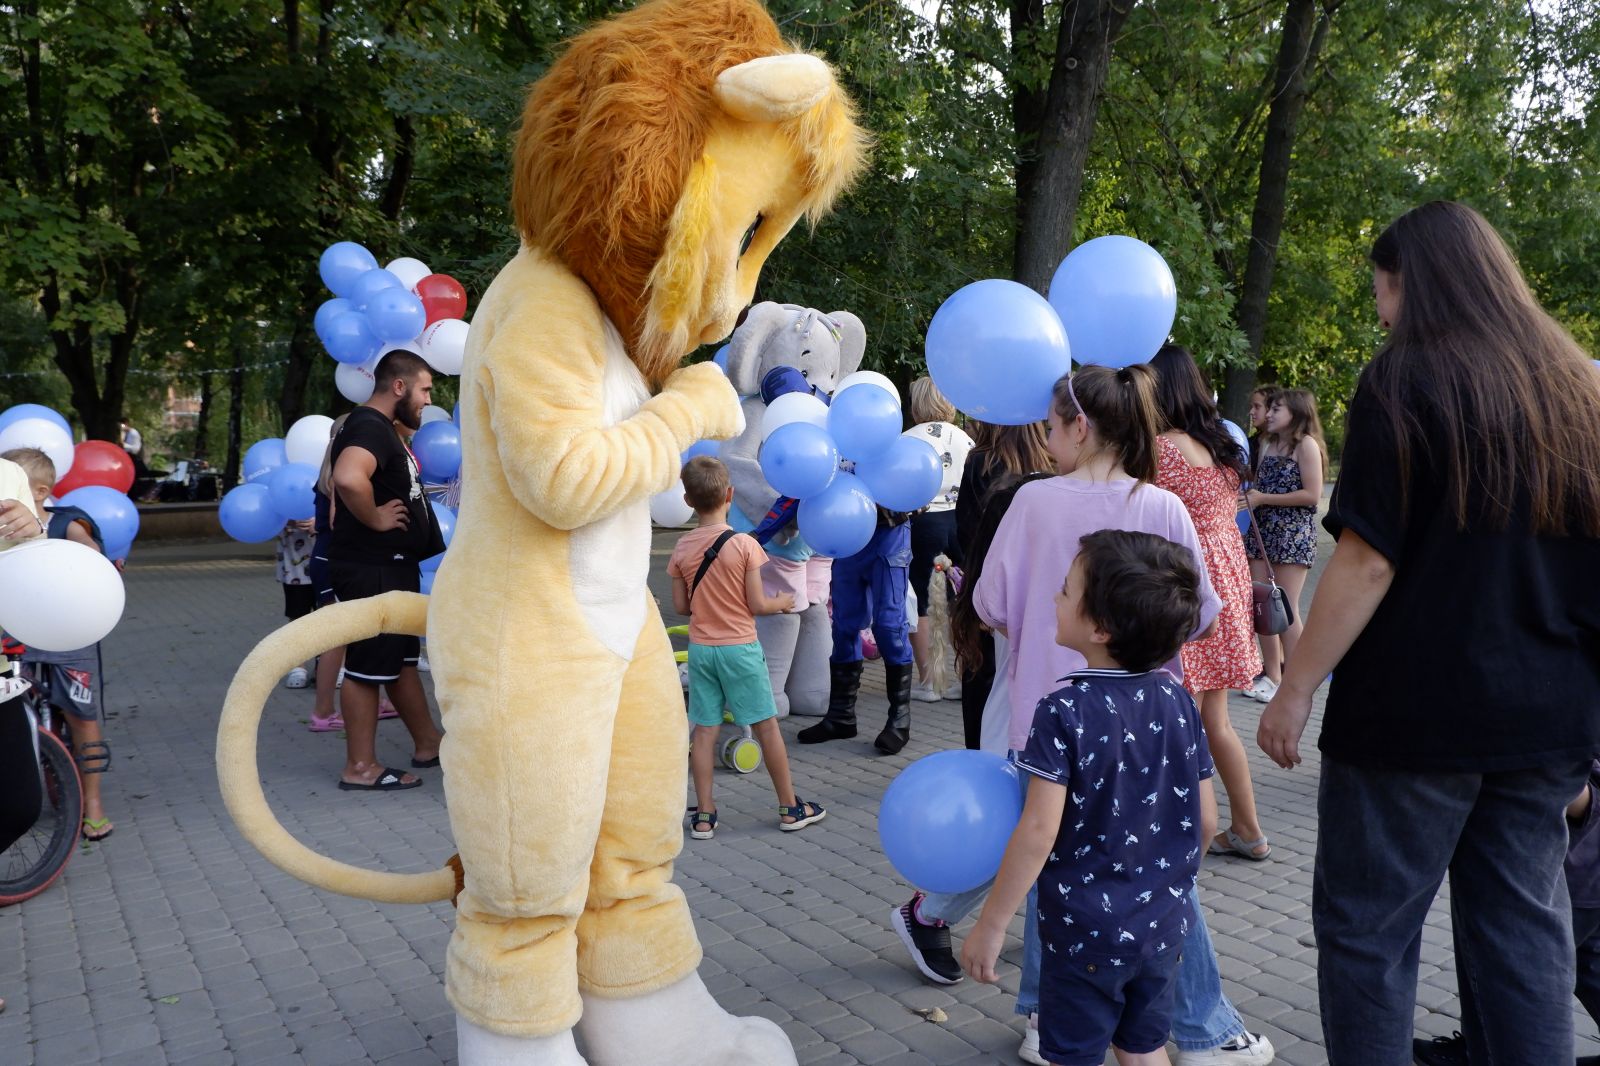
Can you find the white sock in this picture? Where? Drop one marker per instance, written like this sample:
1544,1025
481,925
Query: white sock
477,1046
679,1024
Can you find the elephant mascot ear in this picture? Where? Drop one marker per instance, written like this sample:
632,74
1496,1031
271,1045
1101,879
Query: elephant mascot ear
852,343
750,340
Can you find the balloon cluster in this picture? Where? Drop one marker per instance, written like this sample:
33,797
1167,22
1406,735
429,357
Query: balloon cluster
841,461
375,310
93,475
996,348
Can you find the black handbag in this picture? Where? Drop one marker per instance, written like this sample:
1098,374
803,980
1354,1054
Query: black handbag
1269,606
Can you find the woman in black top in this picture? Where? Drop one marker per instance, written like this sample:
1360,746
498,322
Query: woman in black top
1461,611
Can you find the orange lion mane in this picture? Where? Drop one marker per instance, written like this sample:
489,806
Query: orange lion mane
609,135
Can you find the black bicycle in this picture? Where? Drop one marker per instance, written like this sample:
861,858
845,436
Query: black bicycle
36,860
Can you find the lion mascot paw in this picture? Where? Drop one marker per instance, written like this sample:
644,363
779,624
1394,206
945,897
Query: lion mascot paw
660,160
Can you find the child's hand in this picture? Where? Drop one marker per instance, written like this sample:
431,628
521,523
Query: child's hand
981,950
784,602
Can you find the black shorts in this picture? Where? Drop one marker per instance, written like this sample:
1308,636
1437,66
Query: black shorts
379,659
298,601
321,583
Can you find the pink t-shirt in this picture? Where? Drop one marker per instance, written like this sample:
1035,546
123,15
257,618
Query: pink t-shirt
1032,551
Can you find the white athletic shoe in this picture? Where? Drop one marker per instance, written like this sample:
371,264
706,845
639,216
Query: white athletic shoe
1029,1051
923,692
298,678
1246,1049
1263,690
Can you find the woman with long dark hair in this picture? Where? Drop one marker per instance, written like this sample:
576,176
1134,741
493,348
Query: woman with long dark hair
1203,465
1460,611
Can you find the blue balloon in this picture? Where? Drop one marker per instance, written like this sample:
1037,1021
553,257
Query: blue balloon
426,586
996,349
370,284
721,358
864,420
799,460
1117,300
447,524
437,447
946,819
327,311
431,563
395,315
703,447
349,338
247,514
293,488
1242,520
840,520
33,410
342,264
905,476
119,551
264,457
112,511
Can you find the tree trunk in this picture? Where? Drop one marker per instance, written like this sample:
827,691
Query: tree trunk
202,422
230,473
1053,135
1304,32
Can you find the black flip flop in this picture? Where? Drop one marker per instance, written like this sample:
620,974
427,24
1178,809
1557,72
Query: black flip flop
388,781
425,764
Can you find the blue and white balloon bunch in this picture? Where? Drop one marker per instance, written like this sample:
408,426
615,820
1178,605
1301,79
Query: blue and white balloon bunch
375,310
841,461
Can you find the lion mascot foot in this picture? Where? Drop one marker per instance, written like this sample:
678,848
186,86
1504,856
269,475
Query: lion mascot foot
678,1024
482,1047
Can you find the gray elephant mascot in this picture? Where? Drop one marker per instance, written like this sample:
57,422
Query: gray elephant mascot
782,348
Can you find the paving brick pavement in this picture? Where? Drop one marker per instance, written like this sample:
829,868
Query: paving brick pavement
174,942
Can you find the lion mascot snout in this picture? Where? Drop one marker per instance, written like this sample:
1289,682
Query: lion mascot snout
660,160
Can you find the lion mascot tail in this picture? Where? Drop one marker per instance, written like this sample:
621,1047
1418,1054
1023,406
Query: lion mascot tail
276,655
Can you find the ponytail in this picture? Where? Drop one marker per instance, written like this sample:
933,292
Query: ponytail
1121,408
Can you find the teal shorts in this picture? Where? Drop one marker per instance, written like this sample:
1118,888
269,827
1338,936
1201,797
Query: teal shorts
732,676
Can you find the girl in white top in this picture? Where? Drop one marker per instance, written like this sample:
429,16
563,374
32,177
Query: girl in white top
933,529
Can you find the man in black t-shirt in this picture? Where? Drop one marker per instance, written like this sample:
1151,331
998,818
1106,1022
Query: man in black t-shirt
382,528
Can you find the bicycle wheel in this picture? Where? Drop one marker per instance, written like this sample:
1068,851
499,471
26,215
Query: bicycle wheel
33,863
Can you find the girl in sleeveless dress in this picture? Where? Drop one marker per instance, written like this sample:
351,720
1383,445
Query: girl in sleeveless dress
1284,498
1203,466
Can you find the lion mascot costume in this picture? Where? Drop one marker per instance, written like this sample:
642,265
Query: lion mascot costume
660,160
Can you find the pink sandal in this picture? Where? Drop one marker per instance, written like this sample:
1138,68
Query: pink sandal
386,709
326,725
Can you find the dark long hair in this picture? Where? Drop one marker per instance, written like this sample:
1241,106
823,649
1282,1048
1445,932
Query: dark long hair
1121,406
1477,375
1186,406
1014,450
966,628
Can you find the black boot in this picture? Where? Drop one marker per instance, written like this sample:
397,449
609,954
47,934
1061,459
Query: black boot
897,730
840,721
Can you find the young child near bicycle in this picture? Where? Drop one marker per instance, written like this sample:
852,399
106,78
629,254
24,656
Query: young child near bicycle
716,581
1117,813
72,679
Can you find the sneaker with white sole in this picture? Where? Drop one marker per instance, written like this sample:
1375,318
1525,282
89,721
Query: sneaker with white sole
423,665
1029,1051
923,692
298,678
1262,690
953,692
1246,1049
929,945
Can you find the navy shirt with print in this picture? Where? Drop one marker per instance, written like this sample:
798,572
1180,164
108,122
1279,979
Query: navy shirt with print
1131,752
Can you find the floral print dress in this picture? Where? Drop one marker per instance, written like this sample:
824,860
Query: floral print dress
1289,533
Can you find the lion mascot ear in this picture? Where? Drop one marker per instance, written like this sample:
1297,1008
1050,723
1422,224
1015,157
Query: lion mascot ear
773,88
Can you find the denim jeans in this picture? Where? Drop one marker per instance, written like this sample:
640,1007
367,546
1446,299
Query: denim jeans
1386,839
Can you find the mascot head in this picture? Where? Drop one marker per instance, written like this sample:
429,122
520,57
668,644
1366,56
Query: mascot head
667,152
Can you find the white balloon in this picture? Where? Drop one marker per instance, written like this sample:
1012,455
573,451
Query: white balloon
307,440
60,595
670,508
444,345
433,413
408,270
354,380
868,377
46,436
793,407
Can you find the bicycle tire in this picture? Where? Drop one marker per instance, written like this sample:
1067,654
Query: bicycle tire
35,861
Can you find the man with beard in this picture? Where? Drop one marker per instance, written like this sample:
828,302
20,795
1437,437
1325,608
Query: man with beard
382,527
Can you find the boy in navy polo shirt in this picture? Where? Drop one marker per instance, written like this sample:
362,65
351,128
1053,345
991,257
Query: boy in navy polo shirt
1114,827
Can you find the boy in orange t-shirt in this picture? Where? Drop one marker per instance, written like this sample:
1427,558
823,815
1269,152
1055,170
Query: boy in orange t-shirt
717,572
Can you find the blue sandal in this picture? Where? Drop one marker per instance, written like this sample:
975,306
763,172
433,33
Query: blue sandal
703,825
803,814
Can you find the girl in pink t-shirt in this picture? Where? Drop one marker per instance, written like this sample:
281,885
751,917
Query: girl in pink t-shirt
1103,427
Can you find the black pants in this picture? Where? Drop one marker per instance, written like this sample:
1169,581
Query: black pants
20,795
1586,934
932,533
975,694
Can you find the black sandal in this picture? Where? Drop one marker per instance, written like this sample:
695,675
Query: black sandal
387,781
703,825
803,814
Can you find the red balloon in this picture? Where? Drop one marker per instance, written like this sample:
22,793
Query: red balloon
97,462
442,297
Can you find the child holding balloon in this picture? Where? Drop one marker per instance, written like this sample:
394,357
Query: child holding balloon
1122,740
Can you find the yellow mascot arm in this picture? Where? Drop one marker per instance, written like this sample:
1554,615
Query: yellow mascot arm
562,462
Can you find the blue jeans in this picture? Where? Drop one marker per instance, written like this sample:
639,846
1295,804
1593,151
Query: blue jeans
1386,839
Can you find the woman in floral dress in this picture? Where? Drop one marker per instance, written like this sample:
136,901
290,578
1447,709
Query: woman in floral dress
1202,465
